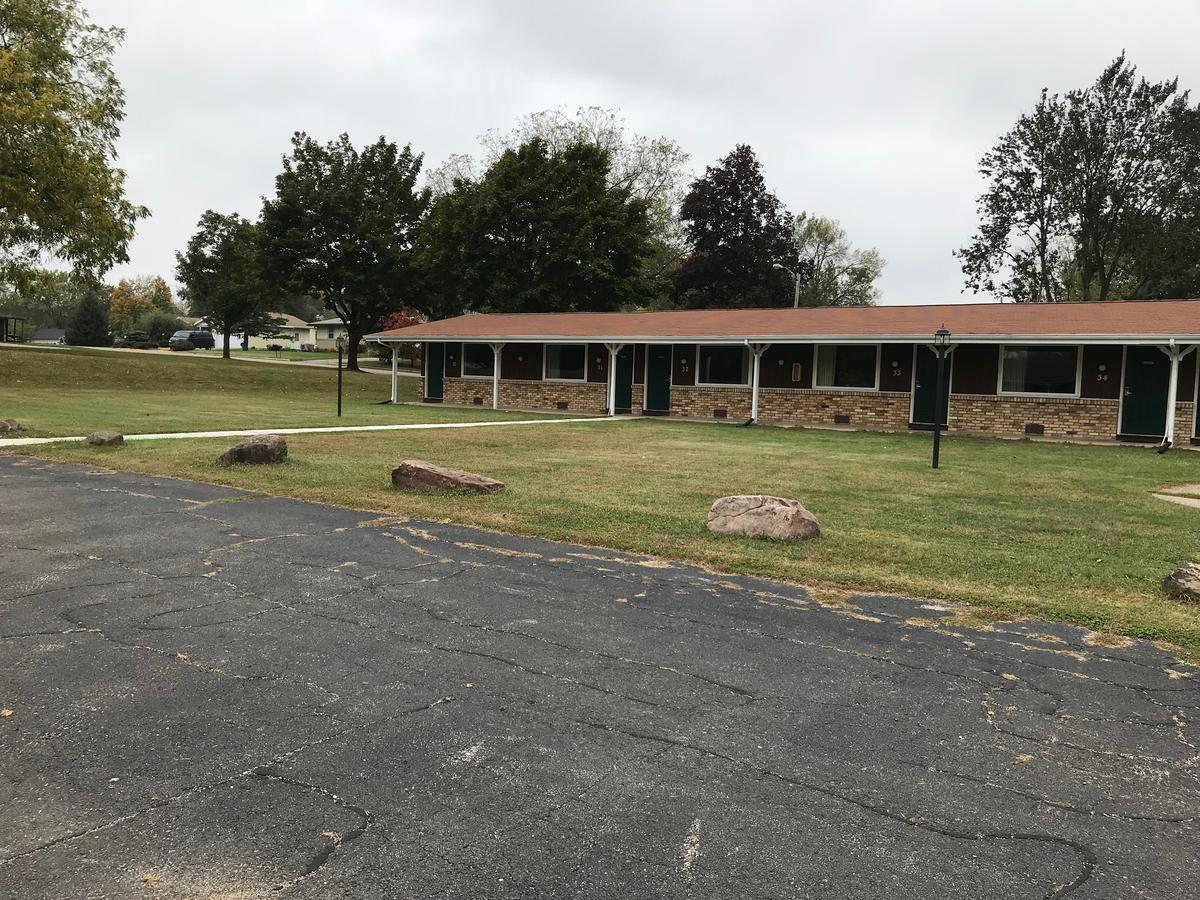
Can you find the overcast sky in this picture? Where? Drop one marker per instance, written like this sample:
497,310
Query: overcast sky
874,113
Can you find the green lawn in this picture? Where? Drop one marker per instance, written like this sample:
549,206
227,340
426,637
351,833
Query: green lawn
1069,533
76,391
271,354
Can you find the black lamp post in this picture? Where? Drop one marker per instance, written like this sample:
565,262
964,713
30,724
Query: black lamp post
941,341
341,345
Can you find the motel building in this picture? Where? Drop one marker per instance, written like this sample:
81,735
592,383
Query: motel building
1118,370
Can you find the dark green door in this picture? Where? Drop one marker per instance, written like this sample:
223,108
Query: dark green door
925,388
435,368
624,400
658,378
1144,400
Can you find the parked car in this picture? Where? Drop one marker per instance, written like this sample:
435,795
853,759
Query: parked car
137,339
196,339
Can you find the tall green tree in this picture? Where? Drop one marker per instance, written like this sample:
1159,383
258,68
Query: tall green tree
741,251
46,298
541,231
654,169
839,274
341,228
61,194
222,275
1090,194
88,324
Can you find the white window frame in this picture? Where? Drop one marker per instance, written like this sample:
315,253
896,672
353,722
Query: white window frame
719,384
816,367
462,364
545,360
1000,392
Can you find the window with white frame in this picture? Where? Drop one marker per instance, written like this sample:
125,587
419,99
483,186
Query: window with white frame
566,362
850,366
478,361
722,364
1040,370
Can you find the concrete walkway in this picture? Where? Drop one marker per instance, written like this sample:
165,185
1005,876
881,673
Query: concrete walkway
249,432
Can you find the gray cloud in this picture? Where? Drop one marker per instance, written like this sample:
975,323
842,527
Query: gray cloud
873,113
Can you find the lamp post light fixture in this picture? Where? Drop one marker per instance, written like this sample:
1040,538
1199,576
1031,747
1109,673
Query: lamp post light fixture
795,283
941,341
341,345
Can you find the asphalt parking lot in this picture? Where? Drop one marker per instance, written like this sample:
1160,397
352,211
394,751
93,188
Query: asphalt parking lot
213,694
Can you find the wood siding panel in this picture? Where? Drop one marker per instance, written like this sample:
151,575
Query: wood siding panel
976,368
639,364
597,364
453,366
521,362
683,365
1187,378
1106,384
895,367
775,370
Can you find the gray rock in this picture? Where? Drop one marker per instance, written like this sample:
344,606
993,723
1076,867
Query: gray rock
1184,583
105,439
8,425
425,476
759,516
256,450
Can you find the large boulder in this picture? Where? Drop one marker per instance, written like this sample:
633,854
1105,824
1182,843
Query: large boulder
7,425
256,450
759,516
1184,583
105,439
425,476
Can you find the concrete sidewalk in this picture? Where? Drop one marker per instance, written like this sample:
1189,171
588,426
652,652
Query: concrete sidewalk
332,429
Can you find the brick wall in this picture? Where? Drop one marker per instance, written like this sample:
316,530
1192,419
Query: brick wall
870,410
1183,424
1067,417
579,397
1093,419
881,410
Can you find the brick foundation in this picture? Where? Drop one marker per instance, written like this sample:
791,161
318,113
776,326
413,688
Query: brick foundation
1088,419
579,396
1065,418
1184,424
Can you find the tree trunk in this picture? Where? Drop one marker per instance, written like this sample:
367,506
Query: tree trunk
352,341
225,349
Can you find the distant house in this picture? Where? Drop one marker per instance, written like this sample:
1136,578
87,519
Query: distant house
327,332
289,331
49,336
12,327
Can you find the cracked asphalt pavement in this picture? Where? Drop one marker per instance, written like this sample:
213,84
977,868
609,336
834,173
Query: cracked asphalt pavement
216,694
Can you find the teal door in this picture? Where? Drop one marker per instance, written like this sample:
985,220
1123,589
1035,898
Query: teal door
925,388
624,400
658,378
1144,400
435,368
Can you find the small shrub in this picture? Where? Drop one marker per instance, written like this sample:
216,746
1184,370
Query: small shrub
182,345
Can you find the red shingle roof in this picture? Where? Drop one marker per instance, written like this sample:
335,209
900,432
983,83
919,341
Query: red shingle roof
1135,319
289,321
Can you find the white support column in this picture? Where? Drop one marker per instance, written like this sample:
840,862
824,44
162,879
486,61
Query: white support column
395,370
756,351
613,350
1175,354
496,348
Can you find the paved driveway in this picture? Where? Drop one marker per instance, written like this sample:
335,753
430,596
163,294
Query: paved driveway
218,695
